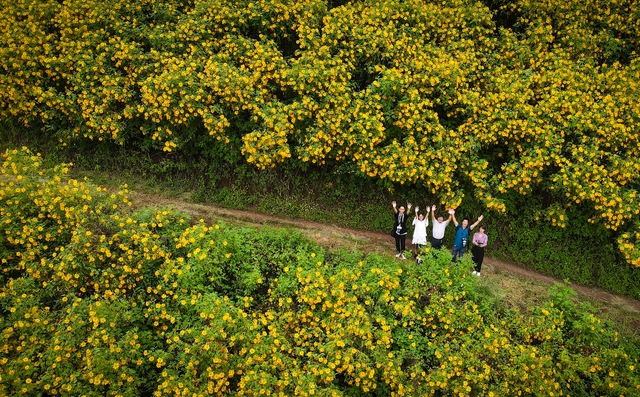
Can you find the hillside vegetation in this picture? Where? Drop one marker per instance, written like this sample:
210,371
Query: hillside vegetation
524,110
100,300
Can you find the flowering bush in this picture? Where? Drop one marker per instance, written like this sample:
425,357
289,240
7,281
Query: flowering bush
97,299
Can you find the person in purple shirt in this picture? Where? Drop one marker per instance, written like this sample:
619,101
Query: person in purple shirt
480,240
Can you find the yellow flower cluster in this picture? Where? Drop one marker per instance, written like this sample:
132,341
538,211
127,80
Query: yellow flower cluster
629,246
570,24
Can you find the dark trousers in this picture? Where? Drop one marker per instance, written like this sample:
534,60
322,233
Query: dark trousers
436,243
477,255
400,242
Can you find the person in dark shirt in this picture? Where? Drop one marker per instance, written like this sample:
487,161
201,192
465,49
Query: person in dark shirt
399,231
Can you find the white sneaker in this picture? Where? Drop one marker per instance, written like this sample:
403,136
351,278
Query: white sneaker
402,257
398,255
478,274
474,272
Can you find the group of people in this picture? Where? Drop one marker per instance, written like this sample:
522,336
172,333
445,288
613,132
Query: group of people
419,240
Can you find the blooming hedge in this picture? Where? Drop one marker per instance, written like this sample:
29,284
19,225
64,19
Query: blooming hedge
98,299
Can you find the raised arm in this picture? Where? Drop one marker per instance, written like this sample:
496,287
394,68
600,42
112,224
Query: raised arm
433,213
395,210
452,215
417,210
478,221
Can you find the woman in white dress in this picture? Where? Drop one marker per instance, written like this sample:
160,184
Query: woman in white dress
419,239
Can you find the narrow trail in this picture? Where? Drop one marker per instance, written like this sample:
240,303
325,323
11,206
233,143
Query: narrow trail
331,236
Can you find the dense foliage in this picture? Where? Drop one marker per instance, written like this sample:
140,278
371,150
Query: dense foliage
493,101
96,299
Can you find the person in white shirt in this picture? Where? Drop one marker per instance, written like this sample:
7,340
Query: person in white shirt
419,239
439,226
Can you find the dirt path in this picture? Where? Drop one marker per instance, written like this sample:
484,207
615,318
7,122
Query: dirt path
332,236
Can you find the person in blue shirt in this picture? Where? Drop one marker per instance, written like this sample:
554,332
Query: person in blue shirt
461,240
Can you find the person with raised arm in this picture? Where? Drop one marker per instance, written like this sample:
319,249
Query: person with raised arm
439,226
419,239
399,231
462,236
